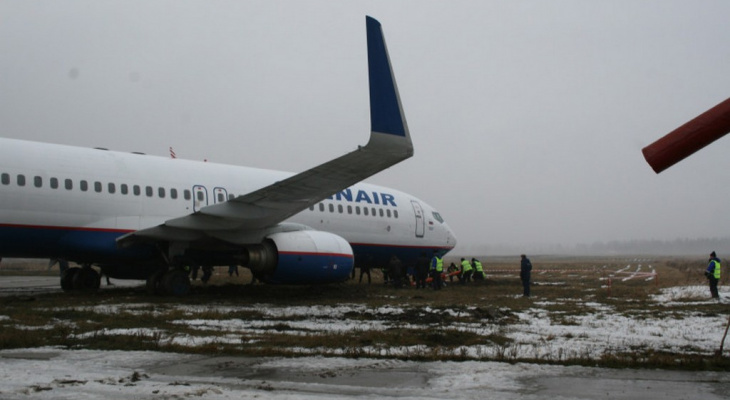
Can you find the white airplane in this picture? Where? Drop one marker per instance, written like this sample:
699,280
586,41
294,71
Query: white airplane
136,216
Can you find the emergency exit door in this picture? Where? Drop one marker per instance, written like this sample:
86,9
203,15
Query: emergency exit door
200,197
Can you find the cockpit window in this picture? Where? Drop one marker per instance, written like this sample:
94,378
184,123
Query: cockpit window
438,217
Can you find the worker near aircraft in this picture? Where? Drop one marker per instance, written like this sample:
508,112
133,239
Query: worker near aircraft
453,271
395,269
466,271
437,268
478,270
713,274
422,266
525,272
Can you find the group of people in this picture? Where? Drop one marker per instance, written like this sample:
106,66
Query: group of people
429,272
467,271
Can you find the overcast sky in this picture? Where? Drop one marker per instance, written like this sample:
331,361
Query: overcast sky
528,117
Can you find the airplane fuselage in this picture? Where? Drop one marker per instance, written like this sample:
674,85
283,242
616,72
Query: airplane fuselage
72,203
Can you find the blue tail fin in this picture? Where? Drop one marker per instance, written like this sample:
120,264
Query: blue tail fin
386,115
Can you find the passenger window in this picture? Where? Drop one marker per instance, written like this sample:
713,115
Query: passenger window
332,208
173,193
381,212
54,183
137,190
38,181
357,210
365,210
97,187
124,188
112,188
349,209
387,212
321,207
69,184
200,195
84,185
21,180
149,191
186,194
395,213
5,178
375,214
311,208
161,192
339,208
221,197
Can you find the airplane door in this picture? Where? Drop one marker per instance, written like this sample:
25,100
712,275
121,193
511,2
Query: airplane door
200,197
219,195
420,221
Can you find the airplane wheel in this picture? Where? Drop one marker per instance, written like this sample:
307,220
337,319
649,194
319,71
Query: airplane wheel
67,279
176,283
86,279
154,283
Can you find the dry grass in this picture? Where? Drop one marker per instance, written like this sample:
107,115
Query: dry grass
70,320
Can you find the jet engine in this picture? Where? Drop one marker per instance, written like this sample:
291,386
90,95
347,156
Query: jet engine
301,257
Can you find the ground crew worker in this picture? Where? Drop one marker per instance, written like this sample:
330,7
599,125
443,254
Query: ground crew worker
422,267
452,271
395,268
525,272
364,270
466,271
713,274
478,270
437,268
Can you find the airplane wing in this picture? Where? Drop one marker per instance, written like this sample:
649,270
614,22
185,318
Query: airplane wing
234,220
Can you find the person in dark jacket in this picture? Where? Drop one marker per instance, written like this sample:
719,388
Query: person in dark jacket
422,267
364,269
395,269
525,272
713,274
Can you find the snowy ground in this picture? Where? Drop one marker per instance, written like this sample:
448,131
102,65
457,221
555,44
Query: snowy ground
84,374
535,333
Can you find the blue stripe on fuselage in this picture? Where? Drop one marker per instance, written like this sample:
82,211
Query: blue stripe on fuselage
72,243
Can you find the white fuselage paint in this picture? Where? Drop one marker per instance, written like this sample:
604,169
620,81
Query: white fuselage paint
96,191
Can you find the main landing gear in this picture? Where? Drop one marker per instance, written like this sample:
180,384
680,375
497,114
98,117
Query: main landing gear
84,279
173,282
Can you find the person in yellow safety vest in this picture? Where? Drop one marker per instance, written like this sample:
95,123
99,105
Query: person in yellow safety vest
466,271
713,274
478,270
437,268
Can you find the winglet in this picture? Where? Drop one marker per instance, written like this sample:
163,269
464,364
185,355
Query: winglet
386,112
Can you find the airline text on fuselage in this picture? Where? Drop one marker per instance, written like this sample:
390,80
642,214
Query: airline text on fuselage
362,196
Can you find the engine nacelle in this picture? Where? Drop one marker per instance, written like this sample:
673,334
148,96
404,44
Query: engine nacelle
302,257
